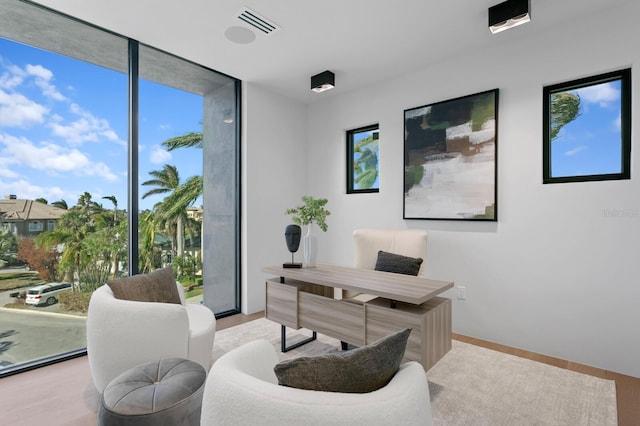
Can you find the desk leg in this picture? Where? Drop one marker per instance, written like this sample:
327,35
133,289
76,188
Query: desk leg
283,340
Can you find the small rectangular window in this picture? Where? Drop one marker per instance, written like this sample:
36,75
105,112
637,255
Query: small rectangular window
587,129
35,226
363,170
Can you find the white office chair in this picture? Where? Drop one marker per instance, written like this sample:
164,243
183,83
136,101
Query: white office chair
367,243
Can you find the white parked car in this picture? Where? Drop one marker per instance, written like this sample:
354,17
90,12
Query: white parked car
46,294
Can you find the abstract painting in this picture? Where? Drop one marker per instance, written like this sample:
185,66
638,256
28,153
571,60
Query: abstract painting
450,161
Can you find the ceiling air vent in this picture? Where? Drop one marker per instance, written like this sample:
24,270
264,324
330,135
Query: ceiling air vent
258,22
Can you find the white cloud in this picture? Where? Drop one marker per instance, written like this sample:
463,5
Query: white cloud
5,172
9,81
102,170
617,123
575,151
43,78
16,110
25,189
601,94
51,158
87,128
39,71
159,155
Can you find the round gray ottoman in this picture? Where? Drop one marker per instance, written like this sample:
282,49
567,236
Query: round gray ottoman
165,392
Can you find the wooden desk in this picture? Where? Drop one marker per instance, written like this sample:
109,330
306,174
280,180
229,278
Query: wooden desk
304,298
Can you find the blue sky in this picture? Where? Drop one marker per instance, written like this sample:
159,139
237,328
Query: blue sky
357,137
63,128
591,144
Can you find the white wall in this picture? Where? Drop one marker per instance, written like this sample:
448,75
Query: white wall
554,275
274,178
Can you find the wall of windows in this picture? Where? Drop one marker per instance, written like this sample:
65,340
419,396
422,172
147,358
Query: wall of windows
120,143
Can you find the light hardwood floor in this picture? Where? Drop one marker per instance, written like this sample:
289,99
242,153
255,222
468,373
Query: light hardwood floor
63,394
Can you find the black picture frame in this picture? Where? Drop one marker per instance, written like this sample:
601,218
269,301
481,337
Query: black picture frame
587,129
451,159
363,159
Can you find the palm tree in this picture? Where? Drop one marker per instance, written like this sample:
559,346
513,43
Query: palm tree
173,209
147,236
73,227
190,140
114,200
115,233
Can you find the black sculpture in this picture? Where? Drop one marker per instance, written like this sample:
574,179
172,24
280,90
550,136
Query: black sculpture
292,234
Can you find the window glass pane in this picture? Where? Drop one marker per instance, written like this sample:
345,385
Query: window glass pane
170,179
63,166
185,110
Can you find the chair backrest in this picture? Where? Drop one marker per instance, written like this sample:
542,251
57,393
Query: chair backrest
407,242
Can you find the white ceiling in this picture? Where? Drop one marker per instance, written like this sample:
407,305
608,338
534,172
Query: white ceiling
361,41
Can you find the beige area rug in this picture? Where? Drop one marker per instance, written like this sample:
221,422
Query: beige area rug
472,385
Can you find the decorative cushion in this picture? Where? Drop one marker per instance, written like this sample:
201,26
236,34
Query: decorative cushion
391,262
156,286
359,370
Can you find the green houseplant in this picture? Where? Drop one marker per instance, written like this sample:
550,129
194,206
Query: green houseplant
312,211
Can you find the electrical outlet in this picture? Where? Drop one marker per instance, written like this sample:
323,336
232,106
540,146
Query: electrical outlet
462,292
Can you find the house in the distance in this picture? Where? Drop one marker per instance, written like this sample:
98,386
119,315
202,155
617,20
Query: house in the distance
25,218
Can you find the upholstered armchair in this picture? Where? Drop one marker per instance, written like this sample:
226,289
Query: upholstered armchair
125,333
242,389
367,243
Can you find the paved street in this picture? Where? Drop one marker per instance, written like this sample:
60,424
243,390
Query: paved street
29,334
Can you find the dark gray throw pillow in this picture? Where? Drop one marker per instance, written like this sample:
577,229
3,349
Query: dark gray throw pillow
156,286
359,370
391,262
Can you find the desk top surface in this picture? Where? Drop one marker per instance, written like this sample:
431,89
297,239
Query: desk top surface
403,288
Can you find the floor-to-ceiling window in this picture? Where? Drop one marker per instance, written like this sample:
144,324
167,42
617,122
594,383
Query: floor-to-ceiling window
105,143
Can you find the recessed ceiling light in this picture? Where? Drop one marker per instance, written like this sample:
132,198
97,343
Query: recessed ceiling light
239,35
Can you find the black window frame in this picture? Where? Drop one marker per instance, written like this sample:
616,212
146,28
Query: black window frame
624,76
350,136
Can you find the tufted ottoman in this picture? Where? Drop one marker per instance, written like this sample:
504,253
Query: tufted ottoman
165,392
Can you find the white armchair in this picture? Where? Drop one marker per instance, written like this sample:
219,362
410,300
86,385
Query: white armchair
122,333
367,243
242,389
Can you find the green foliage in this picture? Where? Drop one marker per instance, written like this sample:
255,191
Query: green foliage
311,211
10,281
365,167
171,213
565,107
193,293
412,175
190,140
8,248
185,267
483,110
61,204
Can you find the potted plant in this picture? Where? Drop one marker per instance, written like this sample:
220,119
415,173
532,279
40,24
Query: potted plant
312,211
